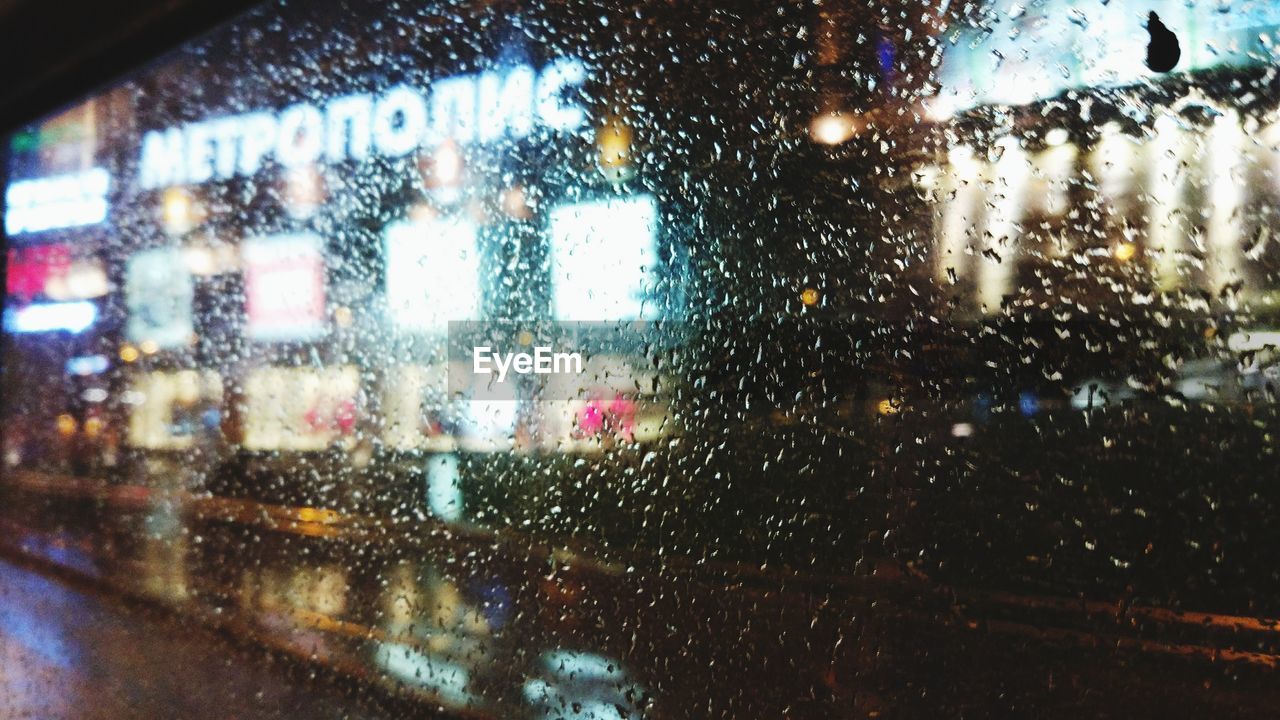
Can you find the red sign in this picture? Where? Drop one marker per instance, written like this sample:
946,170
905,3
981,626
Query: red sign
31,268
284,287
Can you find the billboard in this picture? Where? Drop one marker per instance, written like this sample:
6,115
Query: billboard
159,293
284,287
174,410
433,273
1017,53
603,259
300,408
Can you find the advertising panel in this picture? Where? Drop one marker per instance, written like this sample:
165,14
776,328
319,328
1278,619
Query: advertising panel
159,294
433,274
1015,54
603,258
300,408
284,287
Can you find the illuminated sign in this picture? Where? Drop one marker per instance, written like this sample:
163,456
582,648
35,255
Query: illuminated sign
433,274
444,487
159,294
603,259
54,273
59,201
284,287
74,317
466,108
299,408
1018,53
172,409
30,268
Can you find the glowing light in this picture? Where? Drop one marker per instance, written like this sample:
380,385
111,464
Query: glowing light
447,165
178,211
832,128
129,353
603,257
1056,166
1125,251
199,260
1056,137
433,273
887,407
284,287
61,201
1226,194
1011,174
1165,236
444,489
941,108
81,281
810,297
149,347
74,317
87,365
66,425
961,198
446,678
1028,404
613,140
93,427
94,395
1253,340
464,108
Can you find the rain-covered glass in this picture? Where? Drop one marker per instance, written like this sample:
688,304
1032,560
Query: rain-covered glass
660,359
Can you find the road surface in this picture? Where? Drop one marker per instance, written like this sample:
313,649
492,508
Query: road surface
67,652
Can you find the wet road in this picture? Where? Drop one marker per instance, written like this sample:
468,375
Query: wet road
418,617
67,652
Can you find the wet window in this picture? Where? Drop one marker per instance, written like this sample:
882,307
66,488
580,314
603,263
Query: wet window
645,360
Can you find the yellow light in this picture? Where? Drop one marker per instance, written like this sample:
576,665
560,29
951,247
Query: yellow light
887,407
613,139
316,515
810,297
1125,251
66,425
128,353
178,211
93,427
149,347
832,128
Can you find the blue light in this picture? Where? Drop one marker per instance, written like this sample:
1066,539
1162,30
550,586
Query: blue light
885,54
74,317
1028,404
87,365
